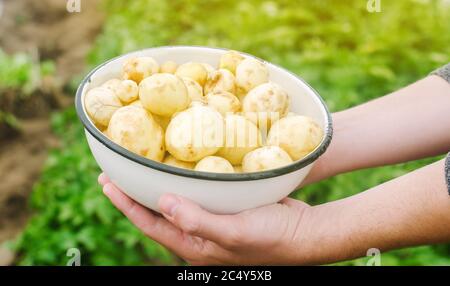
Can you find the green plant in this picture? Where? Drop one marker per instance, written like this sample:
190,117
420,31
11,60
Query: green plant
349,55
20,71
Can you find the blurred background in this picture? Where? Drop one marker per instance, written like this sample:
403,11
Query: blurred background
49,198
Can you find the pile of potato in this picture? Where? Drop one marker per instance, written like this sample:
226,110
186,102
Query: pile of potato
193,116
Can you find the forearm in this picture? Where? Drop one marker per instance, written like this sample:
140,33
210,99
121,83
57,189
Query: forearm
411,210
408,124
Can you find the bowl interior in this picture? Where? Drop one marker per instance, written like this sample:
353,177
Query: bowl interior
304,100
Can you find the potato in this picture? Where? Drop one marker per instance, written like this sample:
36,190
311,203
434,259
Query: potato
194,90
209,68
220,80
195,71
105,132
137,69
195,133
238,169
161,120
265,158
241,137
223,101
297,135
265,104
249,74
168,67
174,162
134,128
230,60
137,103
163,94
214,164
126,90
100,104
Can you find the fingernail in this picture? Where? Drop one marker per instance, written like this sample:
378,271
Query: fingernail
169,205
102,179
107,189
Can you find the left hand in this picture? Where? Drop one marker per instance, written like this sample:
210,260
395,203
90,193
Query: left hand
265,235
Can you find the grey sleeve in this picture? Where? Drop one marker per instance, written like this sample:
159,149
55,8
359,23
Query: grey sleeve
447,172
443,72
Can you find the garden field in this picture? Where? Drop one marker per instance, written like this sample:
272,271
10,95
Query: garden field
346,53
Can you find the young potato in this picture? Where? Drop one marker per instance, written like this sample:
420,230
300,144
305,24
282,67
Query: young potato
223,101
209,68
297,135
266,103
168,67
161,120
265,158
194,90
220,80
238,169
249,74
163,94
230,61
241,137
126,90
195,133
174,162
137,69
100,104
196,71
214,164
134,128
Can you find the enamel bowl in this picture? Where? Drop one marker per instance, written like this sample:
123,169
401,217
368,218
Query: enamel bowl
145,180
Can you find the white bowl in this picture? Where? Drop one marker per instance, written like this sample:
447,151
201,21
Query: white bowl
145,180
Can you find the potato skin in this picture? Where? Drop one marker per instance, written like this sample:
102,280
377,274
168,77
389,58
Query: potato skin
100,104
133,128
209,68
195,71
195,133
241,137
265,158
138,68
238,169
249,74
163,94
168,67
220,80
194,90
126,90
174,162
161,120
264,101
214,164
298,135
230,60
224,102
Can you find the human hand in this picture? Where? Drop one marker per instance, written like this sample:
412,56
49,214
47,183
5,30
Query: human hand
265,235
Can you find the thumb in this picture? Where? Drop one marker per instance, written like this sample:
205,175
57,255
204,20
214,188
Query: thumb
194,220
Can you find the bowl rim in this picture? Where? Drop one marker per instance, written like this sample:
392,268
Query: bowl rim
98,135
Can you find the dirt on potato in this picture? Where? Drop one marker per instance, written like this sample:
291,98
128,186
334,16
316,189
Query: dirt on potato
47,31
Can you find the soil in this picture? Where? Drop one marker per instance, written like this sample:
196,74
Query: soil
45,30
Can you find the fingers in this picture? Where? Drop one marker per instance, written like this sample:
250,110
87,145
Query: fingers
103,179
153,226
192,219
